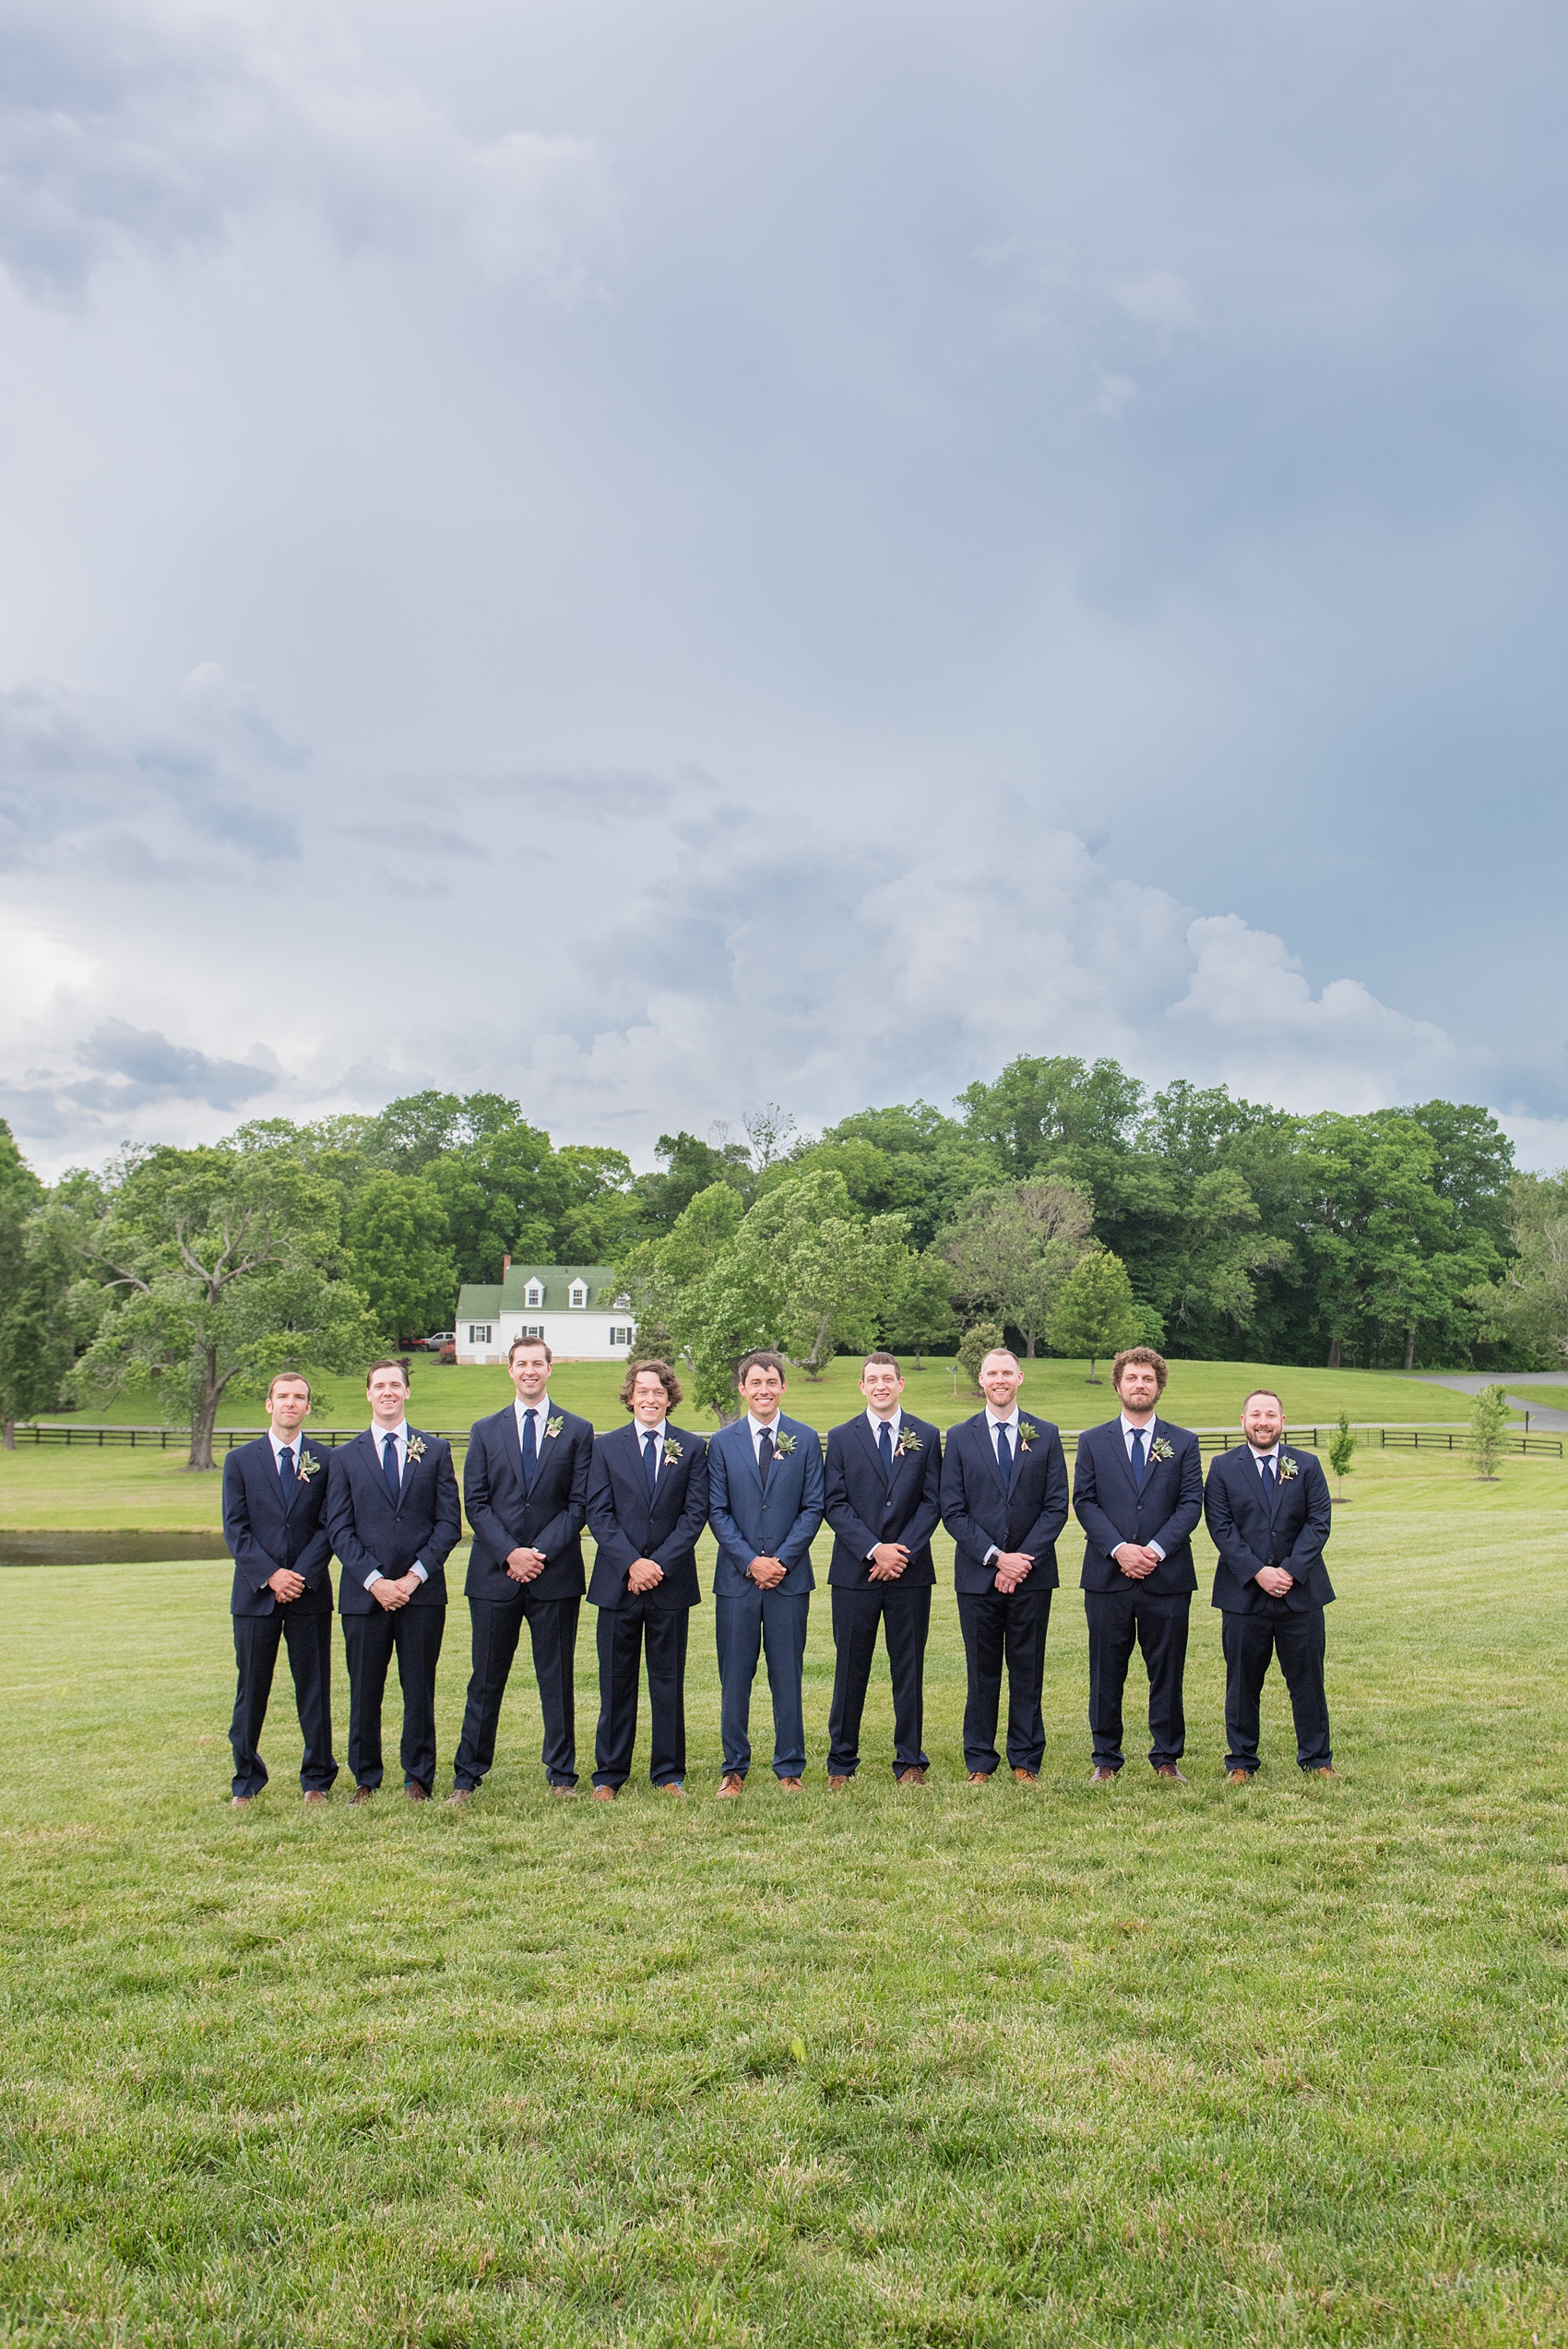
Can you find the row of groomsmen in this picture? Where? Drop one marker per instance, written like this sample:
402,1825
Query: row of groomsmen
386,1505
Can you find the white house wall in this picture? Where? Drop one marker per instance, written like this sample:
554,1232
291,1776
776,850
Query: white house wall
583,1336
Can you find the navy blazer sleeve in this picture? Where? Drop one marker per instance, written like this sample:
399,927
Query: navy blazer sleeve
1308,1545
797,1542
928,1517
612,1545
567,1523
1182,1524
955,1502
836,1501
725,1532
351,1550
1235,1551
448,1525
1098,1527
244,1548
476,1492
1053,1500
687,1530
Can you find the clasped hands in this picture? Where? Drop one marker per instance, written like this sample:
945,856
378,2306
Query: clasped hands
1136,1560
767,1572
524,1565
285,1585
393,1594
1275,1581
888,1561
1010,1567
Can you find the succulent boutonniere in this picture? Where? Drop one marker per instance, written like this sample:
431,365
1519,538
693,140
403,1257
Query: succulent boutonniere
1287,1468
783,1445
309,1465
416,1446
1162,1448
671,1452
1027,1433
553,1426
908,1442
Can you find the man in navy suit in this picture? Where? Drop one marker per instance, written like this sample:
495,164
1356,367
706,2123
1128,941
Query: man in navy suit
1269,1514
525,1487
1004,1501
273,1496
646,1508
764,1505
392,1512
1137,1492
884,1502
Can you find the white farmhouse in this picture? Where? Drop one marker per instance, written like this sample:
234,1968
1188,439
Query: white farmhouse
574,1307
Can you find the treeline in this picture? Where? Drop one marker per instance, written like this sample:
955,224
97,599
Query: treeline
1064,1204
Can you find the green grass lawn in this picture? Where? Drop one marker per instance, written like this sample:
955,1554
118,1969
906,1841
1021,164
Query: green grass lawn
1031,2066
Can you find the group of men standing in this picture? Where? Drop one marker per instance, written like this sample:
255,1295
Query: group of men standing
535,1476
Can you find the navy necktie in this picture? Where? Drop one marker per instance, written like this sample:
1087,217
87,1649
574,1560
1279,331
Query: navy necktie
1138,1458
765,1456
650,1462
389,1465
530,1445
885,1446
1004,1453
286,1473
1268,1488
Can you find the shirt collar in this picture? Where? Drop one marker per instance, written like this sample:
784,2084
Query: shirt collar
1128,1429
378,1435
642,1433
285,1443
521,1408
1258,1458
1011,1420
759,1429
892,1424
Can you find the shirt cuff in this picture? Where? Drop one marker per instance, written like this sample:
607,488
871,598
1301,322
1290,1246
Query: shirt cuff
991,1555
374,1576
418,1569
1157,1551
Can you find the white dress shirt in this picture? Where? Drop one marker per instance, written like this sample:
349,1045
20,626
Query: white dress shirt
1272,1455
642,1434
541,1423
279,1446
1128,1432
759,1429
994,1420
399,1435
894,1421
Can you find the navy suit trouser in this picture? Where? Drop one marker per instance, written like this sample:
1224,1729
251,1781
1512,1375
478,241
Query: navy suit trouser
751,1624
1250,1643
624,1634
414,1635
1118,1621
497,1626
309,1639
1008,1630
905,1617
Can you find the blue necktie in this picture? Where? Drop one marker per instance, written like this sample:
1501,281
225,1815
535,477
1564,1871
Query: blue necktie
1138,1458
765,1456
286,1473
885,1446
389,1465
530,1445
1268,1483
1005,1455
650,1462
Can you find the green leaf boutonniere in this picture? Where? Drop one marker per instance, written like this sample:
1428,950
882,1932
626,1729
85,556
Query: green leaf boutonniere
672,1451
1028,1433
309,1465
1287,1468
908,1442
784,1445
1162,1448
553,1426
416,1446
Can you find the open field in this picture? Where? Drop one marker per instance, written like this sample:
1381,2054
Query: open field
1033,2065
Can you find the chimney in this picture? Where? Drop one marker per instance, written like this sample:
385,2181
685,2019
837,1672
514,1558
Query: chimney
505,1266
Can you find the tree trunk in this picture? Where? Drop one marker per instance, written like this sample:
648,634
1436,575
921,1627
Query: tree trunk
1029,1345
1335,1353
1410,1347
205,1412
1091,1380
10,1435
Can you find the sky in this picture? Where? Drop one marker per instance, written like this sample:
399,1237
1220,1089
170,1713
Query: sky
658,557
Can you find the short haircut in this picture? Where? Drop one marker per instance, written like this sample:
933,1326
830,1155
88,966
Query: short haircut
883,1362
401,1367
517,1343
1146,1356
288,1378
763,1359
1262,1391
659,1370
995,1349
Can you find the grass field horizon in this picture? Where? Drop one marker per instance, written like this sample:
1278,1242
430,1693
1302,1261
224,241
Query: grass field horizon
932,2070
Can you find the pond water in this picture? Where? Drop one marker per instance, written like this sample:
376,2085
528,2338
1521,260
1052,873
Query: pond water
106,1549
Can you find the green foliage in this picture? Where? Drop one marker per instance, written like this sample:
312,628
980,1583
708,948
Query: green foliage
395,1237
1013,1249
978,1340
922,1316
1527,1306
1491,1421
219,1267
1342,1449
1095,1312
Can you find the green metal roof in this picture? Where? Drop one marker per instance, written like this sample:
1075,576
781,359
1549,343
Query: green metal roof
485,1300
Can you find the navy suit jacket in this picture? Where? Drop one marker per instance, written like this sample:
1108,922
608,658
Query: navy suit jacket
262,1535
981,1516
548,1514
1112,1509
370,1533
864,1507
628,1526
747,1523
1248,1533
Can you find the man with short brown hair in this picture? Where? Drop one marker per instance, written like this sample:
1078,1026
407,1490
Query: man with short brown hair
1137,1492
274,1492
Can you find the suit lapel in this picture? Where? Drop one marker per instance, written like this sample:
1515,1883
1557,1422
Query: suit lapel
1123,1465
743,1444
869,1444
988,1437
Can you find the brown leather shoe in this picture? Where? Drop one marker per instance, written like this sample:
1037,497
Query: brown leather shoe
731,1784
913,1776
672,1786
415,1794
362,1794
460,1795
1169,1769
1025,1777
1101,1776
979,1778
314,1794
1322,1770
1239,1777
604,1793
789,1786
835,1785
562,1790
241,1802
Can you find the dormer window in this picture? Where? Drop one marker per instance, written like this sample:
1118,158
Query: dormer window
533,1296
578,1294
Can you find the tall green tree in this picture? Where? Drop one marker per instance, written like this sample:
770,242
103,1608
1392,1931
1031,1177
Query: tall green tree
1013,1247
397,1255
21,1194
1526,1304
220,1267
922,1319
1096,1313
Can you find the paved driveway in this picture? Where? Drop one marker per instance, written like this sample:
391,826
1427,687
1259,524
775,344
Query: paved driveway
1548,1422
